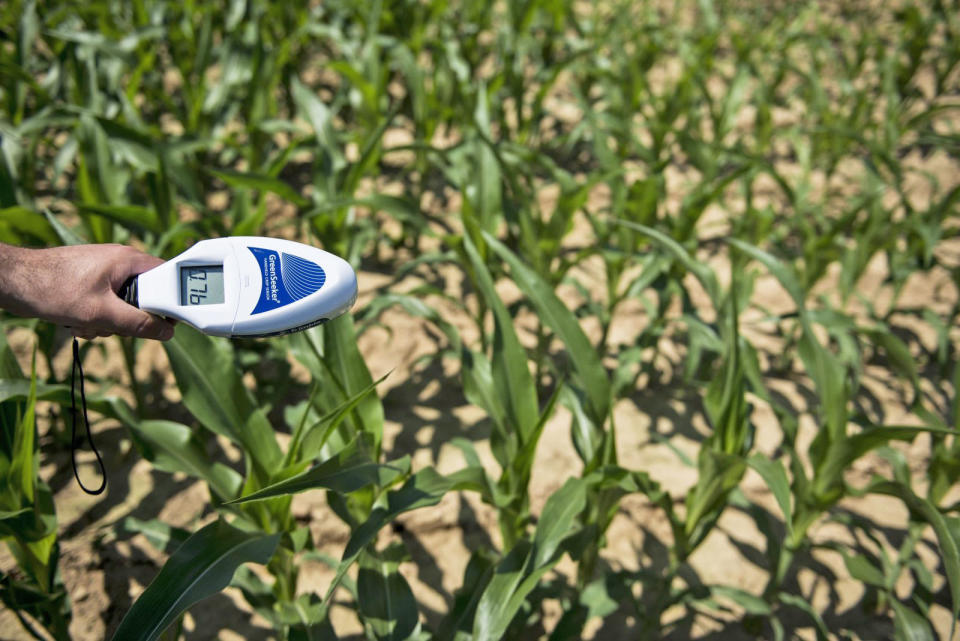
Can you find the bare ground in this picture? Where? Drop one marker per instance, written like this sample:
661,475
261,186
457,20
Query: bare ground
425,407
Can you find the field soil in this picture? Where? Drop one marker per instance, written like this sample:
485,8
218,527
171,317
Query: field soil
105,569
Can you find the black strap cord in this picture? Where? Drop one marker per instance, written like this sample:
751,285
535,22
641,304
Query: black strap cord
86,421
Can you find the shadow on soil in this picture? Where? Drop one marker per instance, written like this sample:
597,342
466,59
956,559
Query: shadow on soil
671,409
121,571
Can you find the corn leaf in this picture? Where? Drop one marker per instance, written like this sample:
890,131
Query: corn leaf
343,358
385,600
459,620
909,625
525,564
213,391
17,224
174,447
702,272
512,381
346,472
260,182
591,374
200,568
775,476
162,536
132,217
423,489
946,536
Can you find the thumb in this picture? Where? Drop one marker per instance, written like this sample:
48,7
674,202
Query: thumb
126,320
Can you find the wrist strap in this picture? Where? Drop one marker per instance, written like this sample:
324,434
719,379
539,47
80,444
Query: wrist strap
78,366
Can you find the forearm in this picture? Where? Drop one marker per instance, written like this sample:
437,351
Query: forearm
17,277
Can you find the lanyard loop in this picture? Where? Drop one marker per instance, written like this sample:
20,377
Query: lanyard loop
86,421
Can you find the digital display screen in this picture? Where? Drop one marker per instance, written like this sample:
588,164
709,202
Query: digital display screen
201,285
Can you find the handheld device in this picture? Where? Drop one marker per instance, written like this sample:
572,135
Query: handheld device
247,286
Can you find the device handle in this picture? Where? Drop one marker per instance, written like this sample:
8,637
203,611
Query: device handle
128,291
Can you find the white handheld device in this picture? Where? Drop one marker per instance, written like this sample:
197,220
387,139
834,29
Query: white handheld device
247,286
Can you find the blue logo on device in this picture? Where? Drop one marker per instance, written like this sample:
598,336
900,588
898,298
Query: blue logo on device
286,278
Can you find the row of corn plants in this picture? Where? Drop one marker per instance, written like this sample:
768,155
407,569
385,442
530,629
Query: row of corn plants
677,158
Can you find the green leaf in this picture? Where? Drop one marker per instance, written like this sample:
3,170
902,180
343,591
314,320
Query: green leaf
485,190
261,182
862,570
173,447
496,607
423,489
66,235
33,523
587,436
25,596
308,619
511,376
200,568
598,599
832,388
839,457
775,476
22,478
479,389
18,223
702,272
9,366
521,570
523,462
896,350
591,374
314,111
220,401
719,473
820,628
779,270
133,217
557,519
162,536
315,436
340,374
476,576
946,536
725,400
750,603
346,472
344,360
384,598
909,625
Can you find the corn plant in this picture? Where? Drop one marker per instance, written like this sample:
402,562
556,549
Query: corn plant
673,157
29,521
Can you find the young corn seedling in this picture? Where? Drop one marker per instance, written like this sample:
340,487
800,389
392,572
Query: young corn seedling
28,519
832,451
255,523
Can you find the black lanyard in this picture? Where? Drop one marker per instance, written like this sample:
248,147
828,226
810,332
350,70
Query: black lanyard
86,421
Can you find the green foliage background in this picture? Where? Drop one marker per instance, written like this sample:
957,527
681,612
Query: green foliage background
690,149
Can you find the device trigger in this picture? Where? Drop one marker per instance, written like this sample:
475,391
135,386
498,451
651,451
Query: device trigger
128,291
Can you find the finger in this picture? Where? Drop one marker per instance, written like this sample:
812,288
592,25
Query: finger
126,320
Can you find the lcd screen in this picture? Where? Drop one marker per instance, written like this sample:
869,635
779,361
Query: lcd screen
201,285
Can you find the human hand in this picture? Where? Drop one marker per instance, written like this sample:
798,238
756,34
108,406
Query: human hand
76,287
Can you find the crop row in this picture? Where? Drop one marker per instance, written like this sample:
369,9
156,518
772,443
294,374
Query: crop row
603,158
